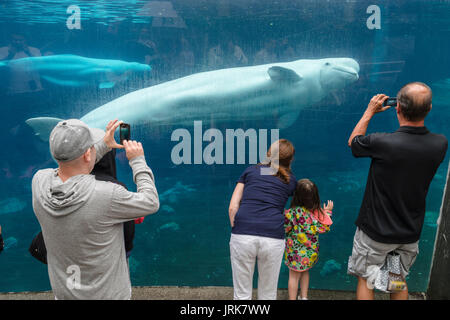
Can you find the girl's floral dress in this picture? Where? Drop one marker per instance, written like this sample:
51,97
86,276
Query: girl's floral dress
302,229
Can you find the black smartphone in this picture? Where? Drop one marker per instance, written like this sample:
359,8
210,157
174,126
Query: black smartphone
391,101
125,133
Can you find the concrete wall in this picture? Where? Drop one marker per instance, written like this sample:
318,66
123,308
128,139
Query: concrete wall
439,283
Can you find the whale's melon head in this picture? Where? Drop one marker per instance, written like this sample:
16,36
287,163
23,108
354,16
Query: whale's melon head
337,73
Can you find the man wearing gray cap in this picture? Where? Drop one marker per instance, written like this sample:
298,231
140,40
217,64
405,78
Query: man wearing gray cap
82,218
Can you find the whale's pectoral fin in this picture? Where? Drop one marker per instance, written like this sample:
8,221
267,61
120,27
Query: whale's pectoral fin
112,79
42,126
281,74
287,119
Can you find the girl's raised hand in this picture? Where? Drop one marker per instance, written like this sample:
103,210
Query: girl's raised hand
328,206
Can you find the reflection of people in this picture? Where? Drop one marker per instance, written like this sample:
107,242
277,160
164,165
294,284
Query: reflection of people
226,55
21,78
145,50
256,216
303,223
151,50
393,208
111,41
285,51
82,219
70,41
267,54
1,240
186,58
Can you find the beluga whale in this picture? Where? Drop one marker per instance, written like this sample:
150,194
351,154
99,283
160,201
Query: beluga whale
242,93
69,70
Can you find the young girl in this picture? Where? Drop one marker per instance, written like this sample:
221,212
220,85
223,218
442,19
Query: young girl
303,223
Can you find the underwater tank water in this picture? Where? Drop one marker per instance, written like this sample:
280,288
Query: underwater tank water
64,59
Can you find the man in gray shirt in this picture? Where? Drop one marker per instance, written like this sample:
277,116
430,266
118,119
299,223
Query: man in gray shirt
81,218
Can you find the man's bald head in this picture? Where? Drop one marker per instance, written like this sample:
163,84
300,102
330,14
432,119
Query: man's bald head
414,100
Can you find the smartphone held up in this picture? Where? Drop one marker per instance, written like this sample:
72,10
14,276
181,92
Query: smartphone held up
391,101
125,132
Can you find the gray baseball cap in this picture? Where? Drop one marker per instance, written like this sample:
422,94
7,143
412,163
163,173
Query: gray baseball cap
71,138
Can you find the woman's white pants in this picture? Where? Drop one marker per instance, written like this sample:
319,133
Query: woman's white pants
245,250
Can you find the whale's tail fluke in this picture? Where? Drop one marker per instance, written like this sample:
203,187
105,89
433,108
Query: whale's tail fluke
42,126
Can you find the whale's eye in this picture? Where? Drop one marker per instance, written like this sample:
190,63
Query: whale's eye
327,63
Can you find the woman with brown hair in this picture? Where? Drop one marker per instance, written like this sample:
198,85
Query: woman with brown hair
256,217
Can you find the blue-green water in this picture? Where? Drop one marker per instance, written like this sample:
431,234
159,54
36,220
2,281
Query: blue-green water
186,243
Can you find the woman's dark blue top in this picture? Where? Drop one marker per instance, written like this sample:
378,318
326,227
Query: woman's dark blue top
262,206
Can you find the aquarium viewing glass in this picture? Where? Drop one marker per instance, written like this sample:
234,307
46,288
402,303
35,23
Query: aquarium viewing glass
199,60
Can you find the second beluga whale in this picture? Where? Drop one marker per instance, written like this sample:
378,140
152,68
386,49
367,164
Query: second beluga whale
244,93
69,70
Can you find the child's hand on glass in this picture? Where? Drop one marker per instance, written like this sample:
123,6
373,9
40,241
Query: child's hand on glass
328,206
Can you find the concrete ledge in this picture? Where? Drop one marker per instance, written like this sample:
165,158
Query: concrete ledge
205,293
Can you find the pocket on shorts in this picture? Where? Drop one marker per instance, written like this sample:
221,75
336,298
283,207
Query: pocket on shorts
408,255
357,262
407,260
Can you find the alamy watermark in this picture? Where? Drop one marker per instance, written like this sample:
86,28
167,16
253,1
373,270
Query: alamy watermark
74,279
74,20
239,145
